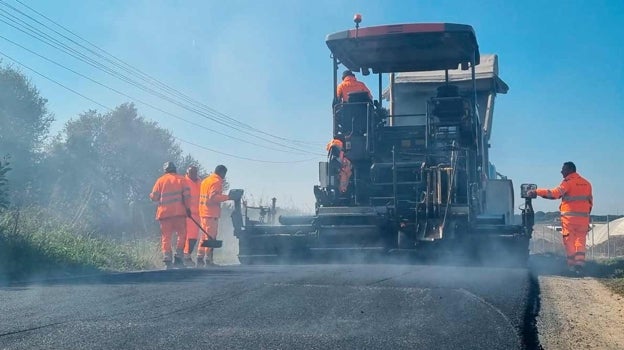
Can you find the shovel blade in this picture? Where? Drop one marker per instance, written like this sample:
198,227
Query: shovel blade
212,243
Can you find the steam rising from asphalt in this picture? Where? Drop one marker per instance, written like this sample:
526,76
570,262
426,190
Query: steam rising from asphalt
228,254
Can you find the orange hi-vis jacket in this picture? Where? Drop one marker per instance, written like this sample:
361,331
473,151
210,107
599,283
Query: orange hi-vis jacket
344,175
171,191
576,199
193,202
348,85
210,196
345,165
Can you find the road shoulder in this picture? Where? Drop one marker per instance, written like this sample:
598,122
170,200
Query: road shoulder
579,313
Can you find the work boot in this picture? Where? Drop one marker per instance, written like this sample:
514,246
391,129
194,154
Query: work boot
168,263
579,270
178,258
188,262
200,262
210,262
191,242
570,271
209,259
573,271
167,259
177,261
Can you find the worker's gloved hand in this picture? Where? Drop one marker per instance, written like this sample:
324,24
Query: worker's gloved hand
532,193
235,194
188,212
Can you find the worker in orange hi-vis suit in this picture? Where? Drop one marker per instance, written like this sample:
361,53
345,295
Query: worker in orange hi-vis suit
348,85
171,192
192,230
576,205
344,175
336,152
210,198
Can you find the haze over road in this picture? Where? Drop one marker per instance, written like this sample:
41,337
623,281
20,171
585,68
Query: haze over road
274,307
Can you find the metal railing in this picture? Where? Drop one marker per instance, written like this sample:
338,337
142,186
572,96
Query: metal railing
602,241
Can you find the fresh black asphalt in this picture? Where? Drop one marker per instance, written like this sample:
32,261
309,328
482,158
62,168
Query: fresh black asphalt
362,306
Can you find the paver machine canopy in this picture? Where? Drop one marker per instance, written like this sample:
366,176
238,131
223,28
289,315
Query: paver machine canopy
405,47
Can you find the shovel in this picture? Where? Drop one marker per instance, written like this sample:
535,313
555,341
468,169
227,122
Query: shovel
208,243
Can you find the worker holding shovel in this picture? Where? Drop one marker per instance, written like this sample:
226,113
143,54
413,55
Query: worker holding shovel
192,229
210,198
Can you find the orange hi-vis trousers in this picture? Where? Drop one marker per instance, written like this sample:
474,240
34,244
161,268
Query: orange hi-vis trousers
192,232
210,225
574,238
169,226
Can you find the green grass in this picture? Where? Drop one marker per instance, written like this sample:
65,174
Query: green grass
616,285
40,247
609,271
606,268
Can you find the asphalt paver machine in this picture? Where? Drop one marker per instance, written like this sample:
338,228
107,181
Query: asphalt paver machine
421,180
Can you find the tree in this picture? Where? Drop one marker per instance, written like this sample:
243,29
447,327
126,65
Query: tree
4,192
24,125
189,160
103,167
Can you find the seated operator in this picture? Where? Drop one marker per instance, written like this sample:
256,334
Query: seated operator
348,85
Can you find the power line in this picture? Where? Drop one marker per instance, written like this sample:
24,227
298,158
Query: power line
123,66
112,109
245,158
54,81
78,55
135,71
141,101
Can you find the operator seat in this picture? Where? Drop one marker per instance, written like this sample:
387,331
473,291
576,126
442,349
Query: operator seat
448,105
359,96
351,119
353,114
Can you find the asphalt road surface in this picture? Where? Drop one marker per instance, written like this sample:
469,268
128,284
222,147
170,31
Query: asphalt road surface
275,307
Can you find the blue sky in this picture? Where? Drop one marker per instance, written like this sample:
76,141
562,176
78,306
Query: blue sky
266,63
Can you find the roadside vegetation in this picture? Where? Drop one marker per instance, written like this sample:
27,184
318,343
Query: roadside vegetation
609,271
33,246
77,201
